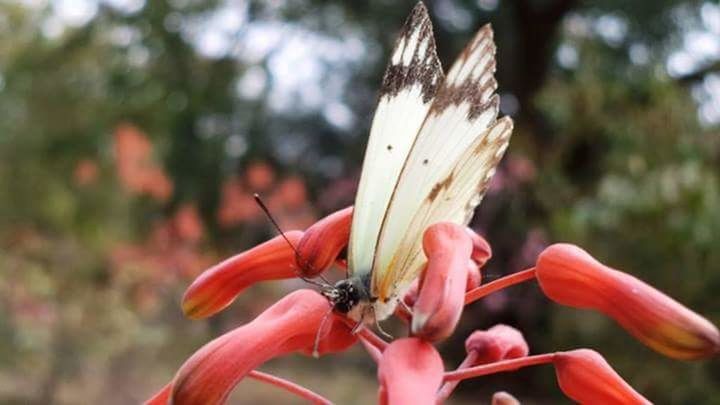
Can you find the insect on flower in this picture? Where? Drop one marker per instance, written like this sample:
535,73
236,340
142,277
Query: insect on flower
434,145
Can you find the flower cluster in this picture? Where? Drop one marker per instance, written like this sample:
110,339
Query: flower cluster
410,369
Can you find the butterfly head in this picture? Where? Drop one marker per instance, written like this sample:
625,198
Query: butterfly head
346,294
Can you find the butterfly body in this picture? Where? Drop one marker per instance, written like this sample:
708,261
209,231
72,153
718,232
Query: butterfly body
434,144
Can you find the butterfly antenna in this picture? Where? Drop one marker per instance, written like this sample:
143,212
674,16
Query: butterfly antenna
301,261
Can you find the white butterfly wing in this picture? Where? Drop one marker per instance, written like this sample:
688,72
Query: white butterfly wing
446,172
409,85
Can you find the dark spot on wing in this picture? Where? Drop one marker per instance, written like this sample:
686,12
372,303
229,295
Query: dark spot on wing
425,161
389,147
439,187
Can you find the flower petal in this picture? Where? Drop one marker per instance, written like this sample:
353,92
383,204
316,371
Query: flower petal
410,372
161,397
497,343
570,276
587,378
291,325
481,248
322,242
442,285
217,287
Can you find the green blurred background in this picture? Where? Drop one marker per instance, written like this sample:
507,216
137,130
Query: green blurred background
132,134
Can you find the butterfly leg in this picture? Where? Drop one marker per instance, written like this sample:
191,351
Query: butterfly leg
406,308
316,346
379,328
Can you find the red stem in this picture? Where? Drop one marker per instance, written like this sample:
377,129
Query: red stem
372,338
447,389
372,350
289,386
499,367
489,288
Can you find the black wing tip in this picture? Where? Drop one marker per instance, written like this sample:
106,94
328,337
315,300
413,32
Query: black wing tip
419,17
424,66
420,8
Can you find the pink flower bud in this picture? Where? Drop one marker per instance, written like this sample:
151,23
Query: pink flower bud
410,372
217,287
474,279
291,325
323,241
500,342
587,378
481,248
570,276
441,294
503,398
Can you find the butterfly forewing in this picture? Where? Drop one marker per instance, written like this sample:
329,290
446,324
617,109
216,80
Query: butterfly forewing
451,161
411,80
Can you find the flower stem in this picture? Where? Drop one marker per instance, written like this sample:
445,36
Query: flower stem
372,350
372,338
507,281
447,389
499,367
289,386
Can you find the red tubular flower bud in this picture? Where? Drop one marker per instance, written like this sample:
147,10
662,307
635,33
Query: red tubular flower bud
500,342
481,252
441,296
161,397
570,276
217,287
323,241
474,279
503,398
291,325
587,378
410,372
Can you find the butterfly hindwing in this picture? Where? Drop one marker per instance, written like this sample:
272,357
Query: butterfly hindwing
409,86
453,157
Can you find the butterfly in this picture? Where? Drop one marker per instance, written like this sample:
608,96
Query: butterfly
434,145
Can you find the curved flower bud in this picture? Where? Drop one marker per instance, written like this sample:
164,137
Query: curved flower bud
587,378
442,285
474,279
161,397
323,241
410,372
500,342
503,398
481,252
570,276
291,325
217,287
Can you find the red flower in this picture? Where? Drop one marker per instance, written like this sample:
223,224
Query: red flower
497,343
570,276
587,378
322,242
442,285
410,372
503,398
291,325
218,286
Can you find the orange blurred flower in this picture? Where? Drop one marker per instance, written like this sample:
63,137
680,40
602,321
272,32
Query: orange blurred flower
137,171
86,172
